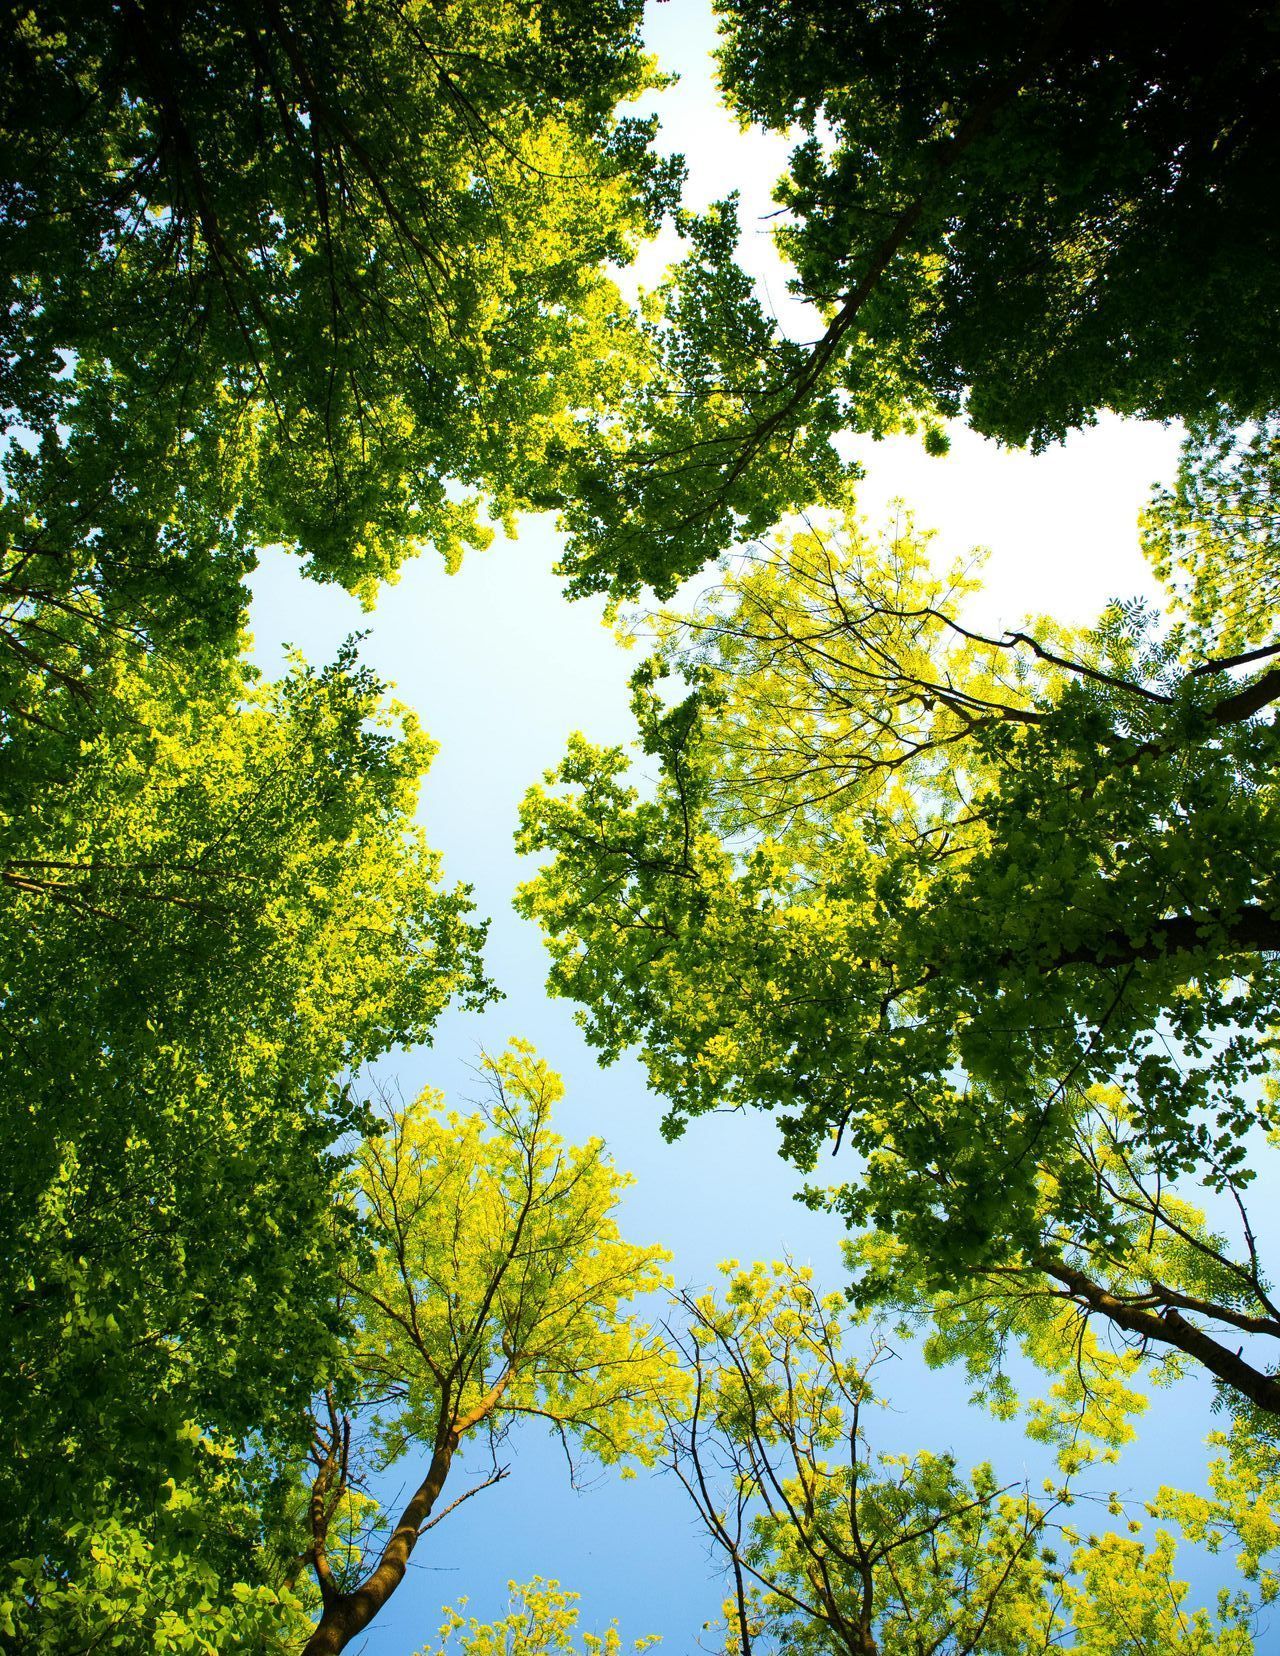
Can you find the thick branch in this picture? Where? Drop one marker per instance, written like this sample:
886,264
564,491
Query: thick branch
1170,1328
1251,929
1252,699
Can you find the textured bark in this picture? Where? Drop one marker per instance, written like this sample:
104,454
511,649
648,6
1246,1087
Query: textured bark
346,1614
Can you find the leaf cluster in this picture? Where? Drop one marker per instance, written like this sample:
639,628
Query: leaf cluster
219,909
298,276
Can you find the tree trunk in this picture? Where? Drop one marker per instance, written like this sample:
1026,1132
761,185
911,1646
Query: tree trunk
346,1614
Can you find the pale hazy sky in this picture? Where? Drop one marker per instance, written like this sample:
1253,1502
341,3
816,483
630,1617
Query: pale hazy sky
500,669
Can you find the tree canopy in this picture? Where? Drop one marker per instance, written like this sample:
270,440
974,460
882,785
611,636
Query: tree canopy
1018,214
1212,537
541,1620
991,916
209,918
994,913
1064,208
327,277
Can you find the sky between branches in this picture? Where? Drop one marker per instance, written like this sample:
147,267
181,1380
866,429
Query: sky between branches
500,669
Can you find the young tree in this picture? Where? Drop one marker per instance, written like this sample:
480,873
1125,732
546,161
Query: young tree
498,1289
830,1548
922,891
207,920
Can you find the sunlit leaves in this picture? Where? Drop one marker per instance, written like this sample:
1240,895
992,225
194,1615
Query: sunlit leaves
500,1283
921,890
223,906
831,1547
542,1620
1214,535
498,1287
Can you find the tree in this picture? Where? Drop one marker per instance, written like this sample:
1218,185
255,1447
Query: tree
922,892
832,1549
1020,214
211,916
497,1290
327,277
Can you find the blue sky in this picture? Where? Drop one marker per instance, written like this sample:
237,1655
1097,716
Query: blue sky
500,668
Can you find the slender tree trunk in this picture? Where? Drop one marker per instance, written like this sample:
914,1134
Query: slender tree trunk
347,1614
